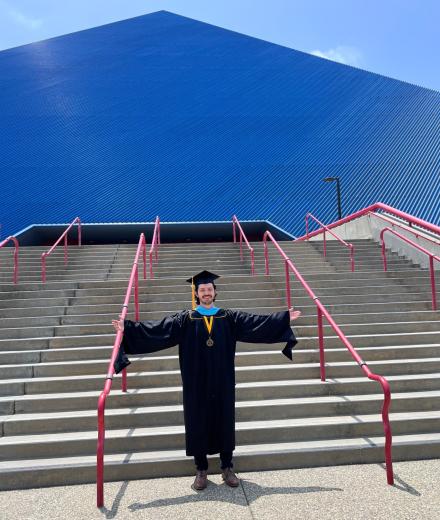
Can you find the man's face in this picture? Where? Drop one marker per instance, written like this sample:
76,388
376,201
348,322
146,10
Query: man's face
206,293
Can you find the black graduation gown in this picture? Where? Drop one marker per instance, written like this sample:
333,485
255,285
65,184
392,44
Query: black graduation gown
208,375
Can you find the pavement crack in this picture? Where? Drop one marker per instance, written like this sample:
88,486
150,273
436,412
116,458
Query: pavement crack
247,500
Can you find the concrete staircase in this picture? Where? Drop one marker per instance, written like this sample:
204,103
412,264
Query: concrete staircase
55,343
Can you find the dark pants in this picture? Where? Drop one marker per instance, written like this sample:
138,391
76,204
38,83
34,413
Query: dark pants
201,461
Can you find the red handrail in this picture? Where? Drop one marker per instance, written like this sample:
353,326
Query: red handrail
155,243
235,222
326,229
322,311
16,248
64,235
407,229
373,208
432,257
134,279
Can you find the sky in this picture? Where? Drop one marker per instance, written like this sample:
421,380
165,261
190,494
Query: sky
396,38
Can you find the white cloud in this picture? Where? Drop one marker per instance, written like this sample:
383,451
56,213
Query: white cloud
20,18
342,54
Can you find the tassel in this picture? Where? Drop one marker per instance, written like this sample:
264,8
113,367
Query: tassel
193,294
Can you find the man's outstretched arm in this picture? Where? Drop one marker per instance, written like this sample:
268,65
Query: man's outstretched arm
144,337
267,328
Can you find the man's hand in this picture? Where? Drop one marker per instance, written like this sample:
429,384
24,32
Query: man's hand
118,325
294,315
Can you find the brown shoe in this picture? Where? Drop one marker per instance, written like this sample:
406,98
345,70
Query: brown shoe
230,477
201,480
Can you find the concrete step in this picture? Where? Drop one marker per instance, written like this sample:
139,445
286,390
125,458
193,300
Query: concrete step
258,390
44,368
275,372
101,324
90,340
101,354
29,473
120,424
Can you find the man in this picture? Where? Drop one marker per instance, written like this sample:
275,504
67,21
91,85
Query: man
207,338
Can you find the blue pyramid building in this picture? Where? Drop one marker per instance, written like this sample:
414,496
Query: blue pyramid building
166,115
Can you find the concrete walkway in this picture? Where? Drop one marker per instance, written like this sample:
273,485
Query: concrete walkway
334,493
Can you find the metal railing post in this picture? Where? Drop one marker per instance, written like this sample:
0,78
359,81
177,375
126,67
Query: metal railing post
288,295
321,344
79,232
433,289
136,293
151,264
144,257
266,257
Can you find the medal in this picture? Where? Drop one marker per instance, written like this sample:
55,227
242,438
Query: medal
209,323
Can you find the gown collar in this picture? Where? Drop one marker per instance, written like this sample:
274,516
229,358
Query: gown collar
207,312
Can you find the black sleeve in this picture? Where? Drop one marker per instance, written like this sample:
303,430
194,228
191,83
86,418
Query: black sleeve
260,328
143,337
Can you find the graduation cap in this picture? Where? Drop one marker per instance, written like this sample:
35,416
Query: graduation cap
203,277
196,280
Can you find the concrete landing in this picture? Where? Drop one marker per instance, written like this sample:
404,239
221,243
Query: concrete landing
357,492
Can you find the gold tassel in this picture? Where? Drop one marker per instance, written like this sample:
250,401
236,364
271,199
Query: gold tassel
193,293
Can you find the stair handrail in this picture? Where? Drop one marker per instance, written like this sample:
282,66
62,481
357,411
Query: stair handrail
322,311
406,229
44,255
236,223
155,243
134,280
433,228
326,229
16,249
432,257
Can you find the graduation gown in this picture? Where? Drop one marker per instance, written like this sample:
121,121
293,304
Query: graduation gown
208,374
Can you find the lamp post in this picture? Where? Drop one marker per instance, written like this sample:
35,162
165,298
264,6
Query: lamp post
338,193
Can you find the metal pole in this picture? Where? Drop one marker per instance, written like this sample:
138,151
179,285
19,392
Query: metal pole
338,191
434,296
321,344
288,295
266,257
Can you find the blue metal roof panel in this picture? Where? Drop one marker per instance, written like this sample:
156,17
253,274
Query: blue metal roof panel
165,115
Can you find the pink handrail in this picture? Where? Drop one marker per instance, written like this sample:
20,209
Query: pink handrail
16,248
326,229
155,243
134,279
322,311
432,257
407,229
376,207
64,235
235,223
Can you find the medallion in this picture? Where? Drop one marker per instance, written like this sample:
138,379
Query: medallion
209,342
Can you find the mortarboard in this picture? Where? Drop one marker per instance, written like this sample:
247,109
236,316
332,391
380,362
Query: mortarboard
203,277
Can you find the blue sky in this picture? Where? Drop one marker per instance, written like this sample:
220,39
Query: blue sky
397,38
